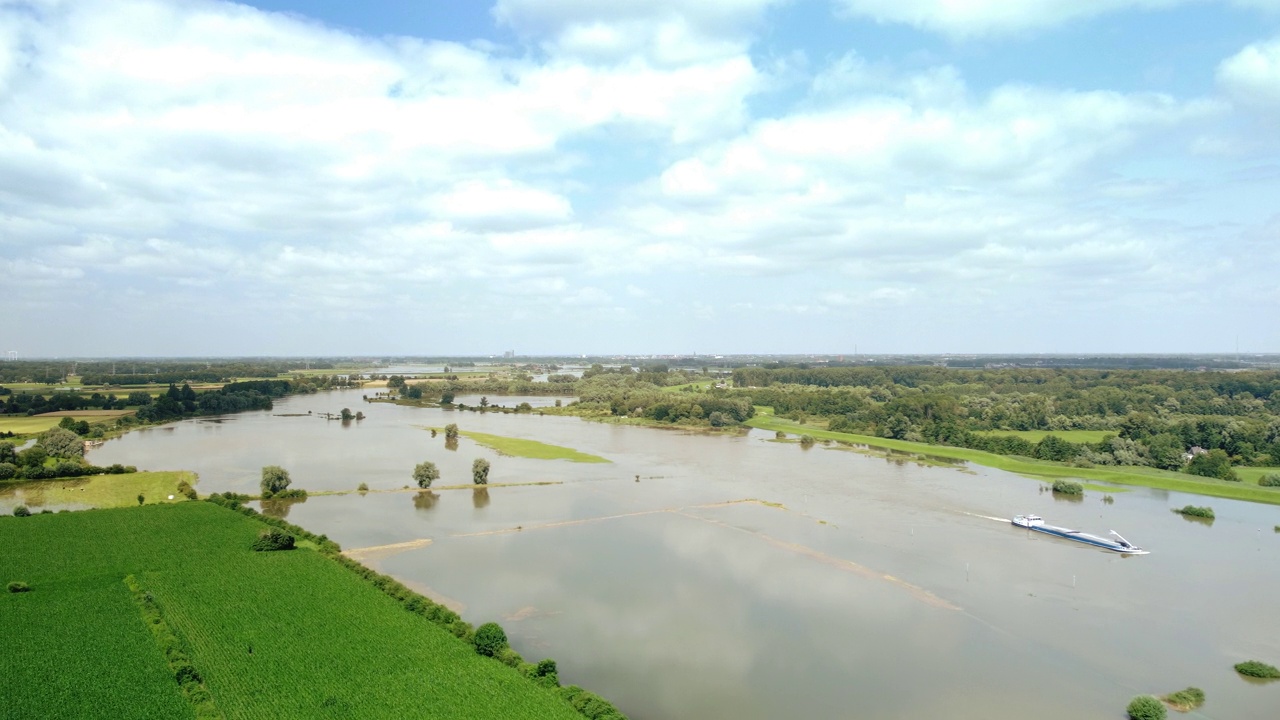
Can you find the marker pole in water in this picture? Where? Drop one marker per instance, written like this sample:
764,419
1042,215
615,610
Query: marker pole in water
966,572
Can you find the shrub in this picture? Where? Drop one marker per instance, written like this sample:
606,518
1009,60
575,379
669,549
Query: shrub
273,539
19,587
1185,700
364,487
807,441
480,471
1253,668
7,470
21,511
185,489
451,431
1196,511
490,639
1066,487
1146,707
1270,480
779,435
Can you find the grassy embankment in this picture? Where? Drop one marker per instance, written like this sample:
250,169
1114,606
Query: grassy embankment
1035,436
520,447
99,491
274,635
1039,469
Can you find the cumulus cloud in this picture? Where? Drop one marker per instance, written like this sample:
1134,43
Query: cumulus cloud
1252,76
969,18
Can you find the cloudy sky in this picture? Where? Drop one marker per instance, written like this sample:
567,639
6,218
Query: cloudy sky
190,177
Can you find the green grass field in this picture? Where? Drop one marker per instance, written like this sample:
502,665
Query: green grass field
519,447
1035,436
1039,469
98,491
35,424
1253,474
324,642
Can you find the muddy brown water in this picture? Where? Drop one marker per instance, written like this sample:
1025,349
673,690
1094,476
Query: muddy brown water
858,587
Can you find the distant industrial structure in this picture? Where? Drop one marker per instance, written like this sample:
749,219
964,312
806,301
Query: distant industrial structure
508,354
11,355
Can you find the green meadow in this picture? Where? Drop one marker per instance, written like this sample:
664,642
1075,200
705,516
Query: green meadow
99,491
273,635
519,447
1039,469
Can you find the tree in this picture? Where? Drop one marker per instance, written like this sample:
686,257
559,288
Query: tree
346,415
446,397
33,456
1146,707
59,442
451,431
425,473
274,480
490,639
484,402
139,398
480,471
395,382
1215,464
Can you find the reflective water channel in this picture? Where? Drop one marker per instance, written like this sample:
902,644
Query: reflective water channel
700,576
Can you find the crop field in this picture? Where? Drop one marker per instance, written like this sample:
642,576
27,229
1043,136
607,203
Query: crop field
34,424
1035,436
519,447
274,635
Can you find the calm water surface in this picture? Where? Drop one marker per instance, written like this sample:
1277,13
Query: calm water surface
865,588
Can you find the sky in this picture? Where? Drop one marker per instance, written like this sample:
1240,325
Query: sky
201,178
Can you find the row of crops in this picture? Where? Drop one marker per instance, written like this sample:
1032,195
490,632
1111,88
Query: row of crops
274,635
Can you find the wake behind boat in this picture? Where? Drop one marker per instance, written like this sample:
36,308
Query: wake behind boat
1119,544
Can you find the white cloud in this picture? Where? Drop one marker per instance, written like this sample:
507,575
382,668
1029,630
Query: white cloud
969,18
1252,76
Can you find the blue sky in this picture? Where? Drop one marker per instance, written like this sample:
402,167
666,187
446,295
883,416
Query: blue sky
638,176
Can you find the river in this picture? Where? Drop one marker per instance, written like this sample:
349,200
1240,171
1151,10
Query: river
701,576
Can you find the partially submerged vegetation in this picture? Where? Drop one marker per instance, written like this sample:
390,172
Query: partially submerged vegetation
1146,707
1185,700
1257,669
521,447
1066,487
1196,511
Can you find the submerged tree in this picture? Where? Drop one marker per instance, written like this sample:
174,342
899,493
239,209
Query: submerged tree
480,471
274,480
425,473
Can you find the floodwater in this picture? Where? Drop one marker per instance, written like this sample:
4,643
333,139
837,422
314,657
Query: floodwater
705,576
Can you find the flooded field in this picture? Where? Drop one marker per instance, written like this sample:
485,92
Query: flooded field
704,576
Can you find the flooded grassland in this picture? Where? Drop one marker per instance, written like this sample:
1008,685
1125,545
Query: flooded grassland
714,576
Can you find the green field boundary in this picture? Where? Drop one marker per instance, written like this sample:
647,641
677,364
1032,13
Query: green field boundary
1038,469
521,447
175,652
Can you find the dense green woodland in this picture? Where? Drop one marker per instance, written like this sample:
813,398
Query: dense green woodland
1158,416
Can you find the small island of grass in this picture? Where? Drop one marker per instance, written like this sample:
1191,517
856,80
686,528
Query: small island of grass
1185,700
1256,669
1196,511
520,447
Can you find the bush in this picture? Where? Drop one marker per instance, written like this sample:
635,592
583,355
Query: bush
1185,700
1270,480
1253,668
185,489
8,470
19,587
807,441
1066,487
451,431
21,511
1196,511
273,539
1146,707
490,639
364,487
480,471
